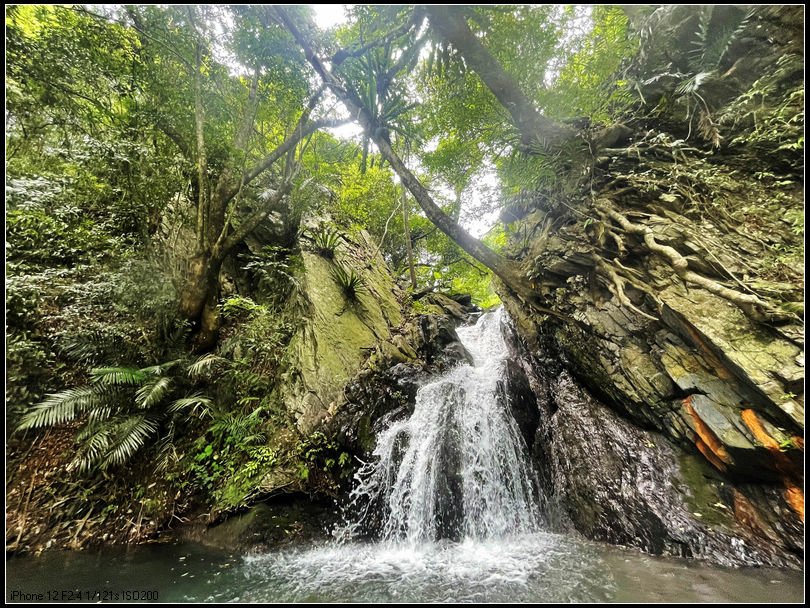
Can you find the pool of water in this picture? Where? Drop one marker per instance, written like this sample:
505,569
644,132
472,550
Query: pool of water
539,567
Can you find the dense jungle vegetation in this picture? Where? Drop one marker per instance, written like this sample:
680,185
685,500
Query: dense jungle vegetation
168,167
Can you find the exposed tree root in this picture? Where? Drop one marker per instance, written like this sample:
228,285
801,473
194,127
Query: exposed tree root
753,306
616,287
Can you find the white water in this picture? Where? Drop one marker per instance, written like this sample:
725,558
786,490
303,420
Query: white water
457,467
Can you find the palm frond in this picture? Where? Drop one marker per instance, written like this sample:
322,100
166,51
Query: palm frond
152,393
89,347
58,408
161,369
166,452
118,376
129,436
101,412
192,401
94,442
203,366
715,37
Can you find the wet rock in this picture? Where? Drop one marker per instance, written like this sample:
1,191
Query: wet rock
457,306
268,525
614,481
519,397
455,352
385,390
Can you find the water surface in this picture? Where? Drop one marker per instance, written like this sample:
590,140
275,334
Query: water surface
540,567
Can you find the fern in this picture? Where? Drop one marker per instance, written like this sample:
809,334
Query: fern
152,393
239,428
194,402
129,436
118,376
205,365
125,408
714,40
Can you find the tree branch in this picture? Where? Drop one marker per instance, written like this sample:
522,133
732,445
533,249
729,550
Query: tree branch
225,244
202,161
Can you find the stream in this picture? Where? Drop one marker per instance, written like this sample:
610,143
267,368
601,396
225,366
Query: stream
446,511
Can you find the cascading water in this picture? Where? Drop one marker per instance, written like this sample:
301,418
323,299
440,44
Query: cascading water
457,467
450,500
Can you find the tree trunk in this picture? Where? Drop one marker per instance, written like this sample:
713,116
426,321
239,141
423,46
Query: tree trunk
536,131
408,244
509,273
199,297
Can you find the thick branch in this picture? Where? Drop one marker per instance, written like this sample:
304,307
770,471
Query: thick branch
295,137
218,224
536,131
504,269
224,246
202,161
408,243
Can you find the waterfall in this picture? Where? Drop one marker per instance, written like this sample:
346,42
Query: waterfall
457,467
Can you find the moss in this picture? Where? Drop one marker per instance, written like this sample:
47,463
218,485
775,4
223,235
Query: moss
702,491
365,435
339,335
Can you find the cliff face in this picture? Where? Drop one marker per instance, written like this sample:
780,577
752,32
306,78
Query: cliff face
676,422
339,329
622,482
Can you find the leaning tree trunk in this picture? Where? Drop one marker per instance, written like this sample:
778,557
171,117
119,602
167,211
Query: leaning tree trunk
682,264
199,298
536,131
508,272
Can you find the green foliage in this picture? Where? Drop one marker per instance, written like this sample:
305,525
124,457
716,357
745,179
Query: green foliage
769,120
370,201
28,368
103,186
228,461
255,350
588,85
274,270
351,284
318,453
239,306
122,410
325,240
716,33
39,239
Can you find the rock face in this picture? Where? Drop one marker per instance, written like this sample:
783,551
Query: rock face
338,332
385,389
630,479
